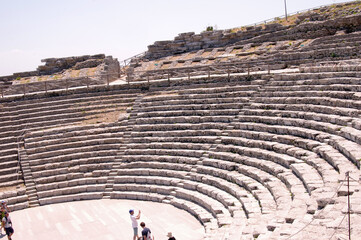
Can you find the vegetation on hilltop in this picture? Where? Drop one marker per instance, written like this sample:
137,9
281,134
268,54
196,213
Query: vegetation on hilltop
320,14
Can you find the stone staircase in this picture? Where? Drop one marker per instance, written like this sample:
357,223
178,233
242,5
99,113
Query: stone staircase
28,178
125,140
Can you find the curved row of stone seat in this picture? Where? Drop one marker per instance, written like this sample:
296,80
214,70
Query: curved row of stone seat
71,197
147,129
196,150
335,124
36,117
146,143
10,174
36,109
226,169
34,114
71,100
73,162
75,134
318,78
196,90
63,114
46,107
189,101
311,93
343,105
310,177
149,147
71,183
337,160
59,147
157,162
298,147
331,131
279,206
351,42
331,68
196,210
336,114
203,93
337,38
188,128
38,123
220,203
326,101
176,187
153,161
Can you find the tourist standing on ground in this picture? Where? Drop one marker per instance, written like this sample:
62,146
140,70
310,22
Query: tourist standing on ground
8,225
170,236
146,233
134,220
2,215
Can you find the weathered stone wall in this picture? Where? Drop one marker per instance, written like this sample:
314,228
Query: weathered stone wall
187,42
108,67
54,65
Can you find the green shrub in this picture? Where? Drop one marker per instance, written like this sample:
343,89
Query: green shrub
209,29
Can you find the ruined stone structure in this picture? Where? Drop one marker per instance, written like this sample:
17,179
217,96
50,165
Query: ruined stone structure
59,72
309,25
259,156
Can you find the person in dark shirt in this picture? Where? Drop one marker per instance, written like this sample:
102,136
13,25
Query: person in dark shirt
170,236
146,233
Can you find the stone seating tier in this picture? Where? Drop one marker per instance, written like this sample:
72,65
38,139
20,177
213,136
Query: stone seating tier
206,218
79,164
71,197
268,160
40,105
324,78
337,38
327,110
339,123
72,180
327,152
59,155
75,131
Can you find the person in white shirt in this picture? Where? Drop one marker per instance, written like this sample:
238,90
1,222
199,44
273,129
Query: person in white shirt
8,225
134,220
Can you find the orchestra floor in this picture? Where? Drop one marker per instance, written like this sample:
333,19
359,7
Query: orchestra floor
102,219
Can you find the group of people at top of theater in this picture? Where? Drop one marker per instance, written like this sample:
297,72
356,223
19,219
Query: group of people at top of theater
146,233
6,223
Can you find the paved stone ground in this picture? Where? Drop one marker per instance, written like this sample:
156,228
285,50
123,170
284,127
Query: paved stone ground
102,219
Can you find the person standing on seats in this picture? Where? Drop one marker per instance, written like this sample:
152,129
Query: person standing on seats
134,220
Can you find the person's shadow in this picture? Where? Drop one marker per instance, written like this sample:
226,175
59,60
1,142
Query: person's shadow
2,235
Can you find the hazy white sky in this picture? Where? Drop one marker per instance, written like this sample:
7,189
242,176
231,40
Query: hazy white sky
31,30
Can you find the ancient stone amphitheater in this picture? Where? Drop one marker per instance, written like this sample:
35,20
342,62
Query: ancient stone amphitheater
254,135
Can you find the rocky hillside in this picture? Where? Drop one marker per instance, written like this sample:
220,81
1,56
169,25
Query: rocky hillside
307,25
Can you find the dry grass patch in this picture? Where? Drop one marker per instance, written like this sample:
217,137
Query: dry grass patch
107,117
11,188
